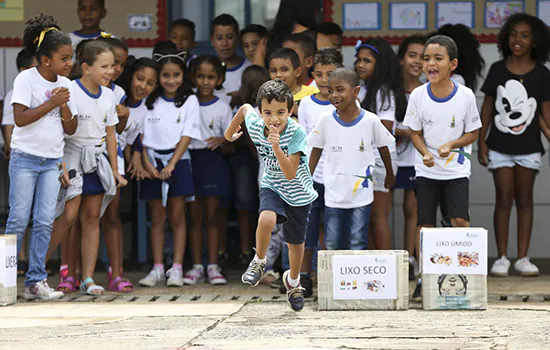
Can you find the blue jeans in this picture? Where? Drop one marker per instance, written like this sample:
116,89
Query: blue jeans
35,179
347,228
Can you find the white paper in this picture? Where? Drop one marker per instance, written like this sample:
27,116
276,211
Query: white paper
361,277
497,12
410,15
2,261
361,16
543,11
10,265
140,22
455,13
454,251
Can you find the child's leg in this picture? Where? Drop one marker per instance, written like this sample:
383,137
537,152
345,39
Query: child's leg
64,248
411,217
157,215
195,238
89,221
224,221
245,218
74,242
176,212
266,223
380,219
212,225
456,194
524,182
62,224
428,194
358,227
313,228
336,221
295,256
294,235
112,229
504,189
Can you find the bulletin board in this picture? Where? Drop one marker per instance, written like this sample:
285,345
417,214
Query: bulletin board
361,19
120,14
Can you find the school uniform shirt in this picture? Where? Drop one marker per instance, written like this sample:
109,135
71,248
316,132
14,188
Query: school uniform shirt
312,83
120,94
386,111
134,125
515,127
7,118
96,113
45,137
406,153
165,124
454,77
233,77
215,117
298,191
311,109
76,38
442,121
349,157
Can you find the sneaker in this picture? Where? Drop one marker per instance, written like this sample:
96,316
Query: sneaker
175,277
277,283
526,268
253,273
42,291
307,284
294,295
501,267
413,268
215,276
156,276
195,275
417,295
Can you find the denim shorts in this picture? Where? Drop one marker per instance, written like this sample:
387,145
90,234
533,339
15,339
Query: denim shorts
347,229
500,160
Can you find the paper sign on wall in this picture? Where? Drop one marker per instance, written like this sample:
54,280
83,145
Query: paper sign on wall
454,251
360,277
140,22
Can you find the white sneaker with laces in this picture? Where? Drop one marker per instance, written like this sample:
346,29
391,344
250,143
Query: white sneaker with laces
175,277
41,290
501,267
215,276
525,267
156,276
195,275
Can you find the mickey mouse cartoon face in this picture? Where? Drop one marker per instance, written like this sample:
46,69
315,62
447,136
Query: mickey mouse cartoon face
515,109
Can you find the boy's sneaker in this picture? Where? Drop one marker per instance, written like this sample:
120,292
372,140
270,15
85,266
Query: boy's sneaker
254,273
413,268
215,276
156,276
307,284
501,267
294,295
42,291
417,295
526,268
195,275
175,277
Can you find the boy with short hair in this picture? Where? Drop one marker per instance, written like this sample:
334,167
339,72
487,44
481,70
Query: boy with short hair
182,34
286,190
347,136
306,48
333,32
90,13
445,121
250,38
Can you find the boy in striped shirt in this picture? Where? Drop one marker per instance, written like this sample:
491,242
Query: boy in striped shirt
286,191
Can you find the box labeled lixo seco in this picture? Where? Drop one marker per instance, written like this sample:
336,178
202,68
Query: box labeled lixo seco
363,280
8,269
454,268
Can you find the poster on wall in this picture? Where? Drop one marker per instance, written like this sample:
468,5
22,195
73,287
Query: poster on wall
409,15
543,11
497,12
460,12
11,11
361,16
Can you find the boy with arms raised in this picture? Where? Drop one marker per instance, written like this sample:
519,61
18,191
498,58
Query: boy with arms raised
445,121
286,190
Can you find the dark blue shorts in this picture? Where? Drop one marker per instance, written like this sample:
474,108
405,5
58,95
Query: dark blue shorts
181,183
210,173
405,177
91,185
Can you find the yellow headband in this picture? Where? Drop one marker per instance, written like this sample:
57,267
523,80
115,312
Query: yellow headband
40,38
106,35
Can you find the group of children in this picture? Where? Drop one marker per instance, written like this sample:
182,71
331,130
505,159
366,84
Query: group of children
326,143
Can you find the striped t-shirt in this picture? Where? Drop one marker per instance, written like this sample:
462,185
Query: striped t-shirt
298,191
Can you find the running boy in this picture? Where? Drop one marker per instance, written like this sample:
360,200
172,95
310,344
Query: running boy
445,120
286,190
347,134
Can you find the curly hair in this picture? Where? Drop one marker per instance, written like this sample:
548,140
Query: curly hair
52,40
275,90
539,30
328,56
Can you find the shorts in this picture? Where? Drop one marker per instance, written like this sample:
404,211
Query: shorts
243,194
405,177
91,184
500,160
315,217
379,173
294,219
452,195
210,173
181,183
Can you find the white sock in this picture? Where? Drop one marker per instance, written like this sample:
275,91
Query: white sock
293,282
261,261
198,266
213,266
419,280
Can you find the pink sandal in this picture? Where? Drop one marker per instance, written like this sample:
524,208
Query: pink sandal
121,285
67,285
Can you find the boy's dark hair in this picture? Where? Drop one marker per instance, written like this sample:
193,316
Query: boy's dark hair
348,75
328,56
413,39
24,59
101,3
308,46
52,41
224,20
164,48
276,90
185,23
540,51
330,28
287,54
215,61
132,66
446,42
252,79
256,29
114,42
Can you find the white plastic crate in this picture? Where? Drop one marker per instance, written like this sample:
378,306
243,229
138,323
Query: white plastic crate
8,269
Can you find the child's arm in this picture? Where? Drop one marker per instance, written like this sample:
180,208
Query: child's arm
149,167
112,153
314,158
8,131
545,111
233,131
180,150
420,145
389,182
466,139
68,120
24,115
123,113
486,119
543,127
289,165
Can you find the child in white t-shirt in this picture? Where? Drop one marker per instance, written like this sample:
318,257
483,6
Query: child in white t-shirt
348,136
90,13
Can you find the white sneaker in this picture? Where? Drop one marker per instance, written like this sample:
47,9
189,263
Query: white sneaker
195,275
156,276
41,291
175,277
501,267
525,267
215,276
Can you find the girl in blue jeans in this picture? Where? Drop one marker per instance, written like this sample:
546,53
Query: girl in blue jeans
43,113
